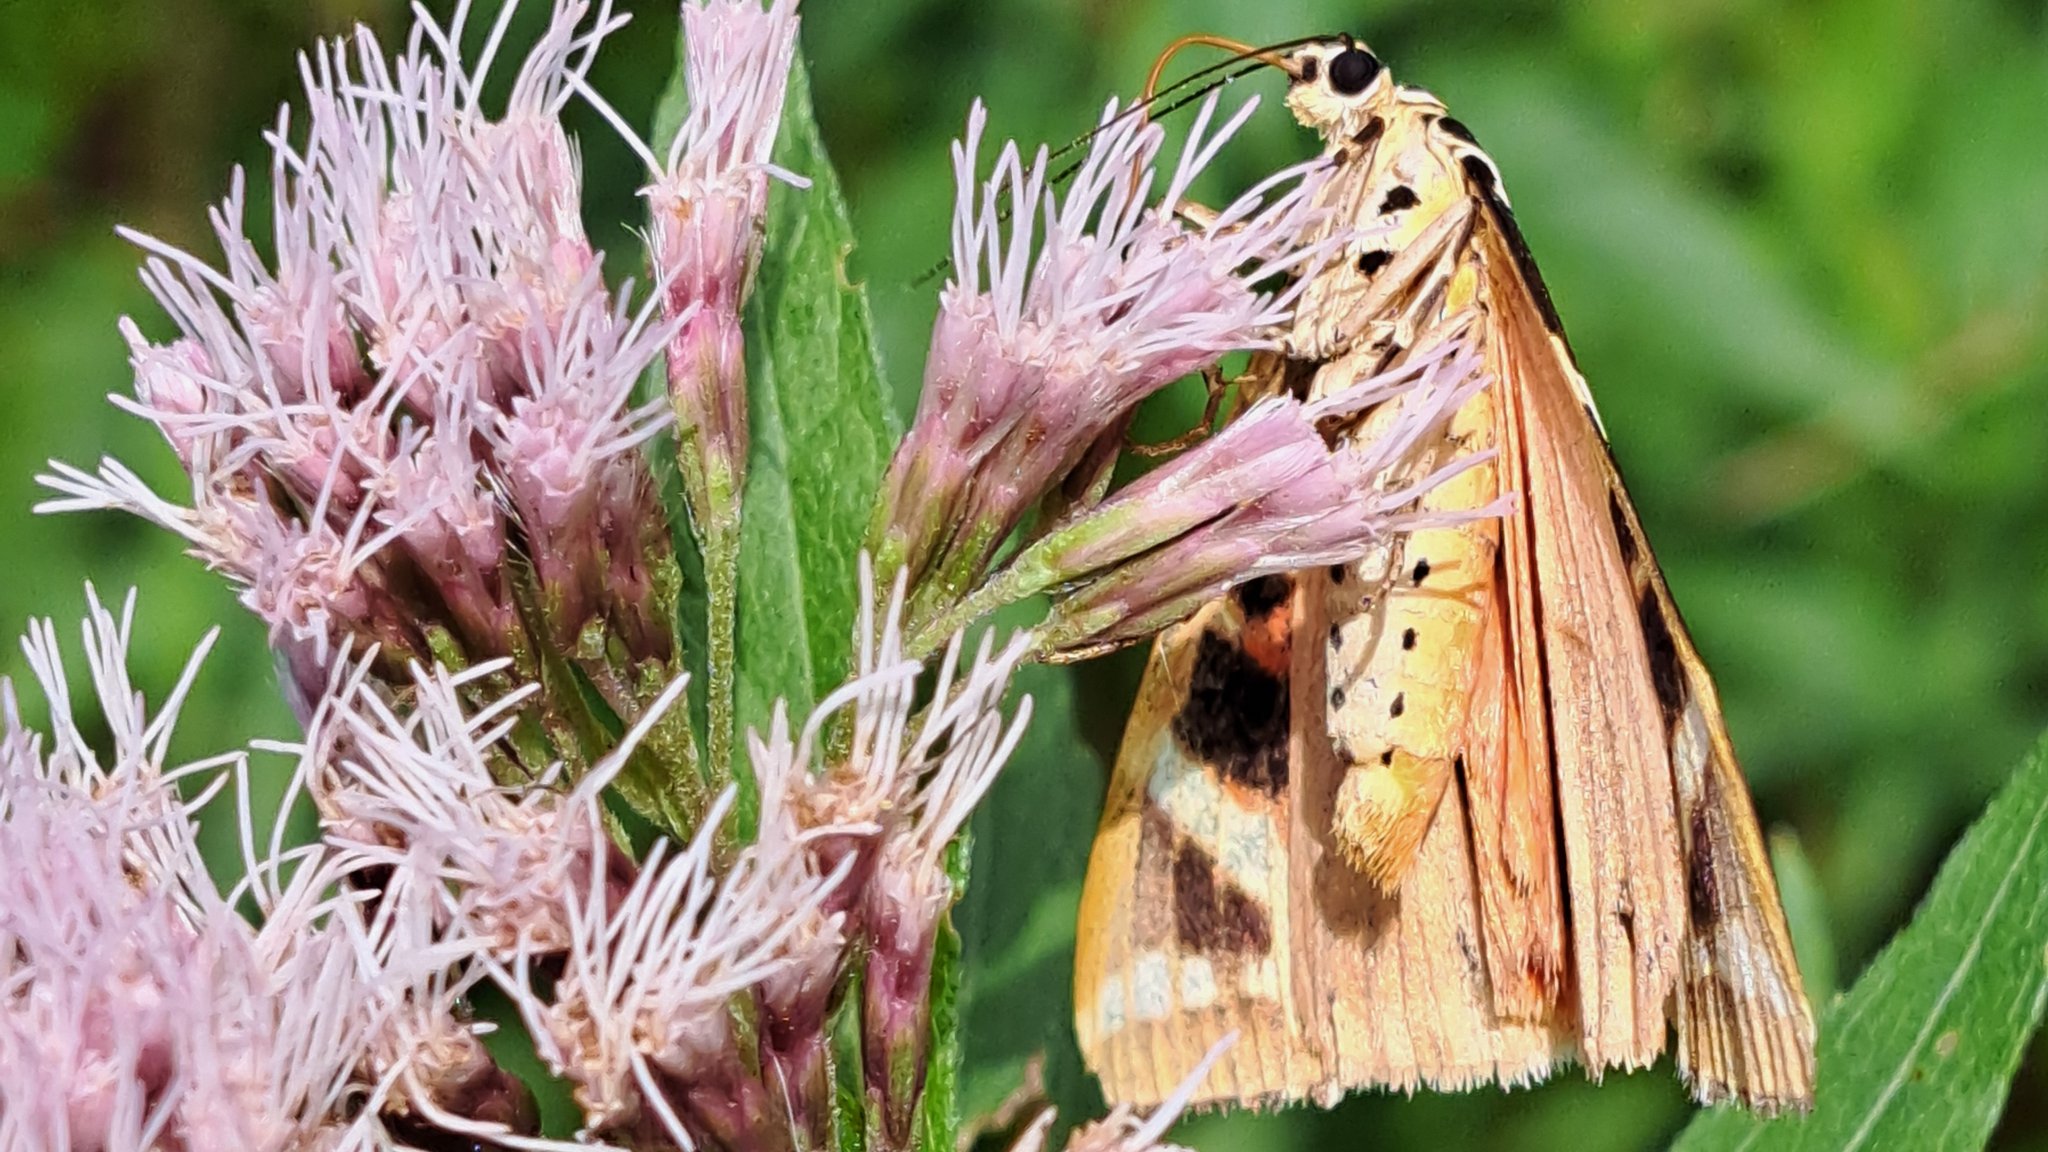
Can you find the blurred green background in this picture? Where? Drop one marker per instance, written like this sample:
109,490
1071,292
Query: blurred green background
1802,251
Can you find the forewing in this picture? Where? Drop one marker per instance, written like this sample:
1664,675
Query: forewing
1669,886
1745,1031
1610,752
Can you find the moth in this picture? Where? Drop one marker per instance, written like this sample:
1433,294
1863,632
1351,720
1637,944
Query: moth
1467,809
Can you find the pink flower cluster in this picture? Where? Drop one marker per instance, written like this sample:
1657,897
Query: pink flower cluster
685,994
1064,312
139,1009
415,427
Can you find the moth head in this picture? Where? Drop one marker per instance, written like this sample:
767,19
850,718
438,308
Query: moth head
1334,85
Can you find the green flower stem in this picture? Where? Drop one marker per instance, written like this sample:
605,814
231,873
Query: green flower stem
1008,587
721,529
1053,560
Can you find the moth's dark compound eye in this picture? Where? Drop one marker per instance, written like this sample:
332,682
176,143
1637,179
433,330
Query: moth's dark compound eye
1352,71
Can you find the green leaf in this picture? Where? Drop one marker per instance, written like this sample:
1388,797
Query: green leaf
821,425
938,1109
1921,1052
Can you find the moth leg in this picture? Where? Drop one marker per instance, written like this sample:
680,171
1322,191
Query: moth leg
1212,378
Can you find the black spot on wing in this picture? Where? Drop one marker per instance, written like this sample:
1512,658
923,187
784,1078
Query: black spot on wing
1702,882
1665,674
1455,128
1479,172
1373,261
1623,532
1482,175
1369,135
1213,915
1235,717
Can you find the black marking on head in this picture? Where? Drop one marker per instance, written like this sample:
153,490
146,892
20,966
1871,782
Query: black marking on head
1311,68
1486,182
1400,704
1352,71
1665,674
1336,638
1373,261
1338,572
1400,198
1261,596
1408,640
1336,697
1702,883
1456,129
1622,532
1211,916
1421,572
1235,717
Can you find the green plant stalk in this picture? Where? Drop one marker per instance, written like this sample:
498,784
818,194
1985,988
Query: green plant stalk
1006,588
721,530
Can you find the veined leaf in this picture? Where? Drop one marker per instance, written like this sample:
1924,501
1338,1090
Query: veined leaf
822,433
1921,1051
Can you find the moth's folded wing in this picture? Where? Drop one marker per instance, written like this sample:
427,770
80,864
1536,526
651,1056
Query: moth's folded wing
1610,742
1185,932
1609,637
